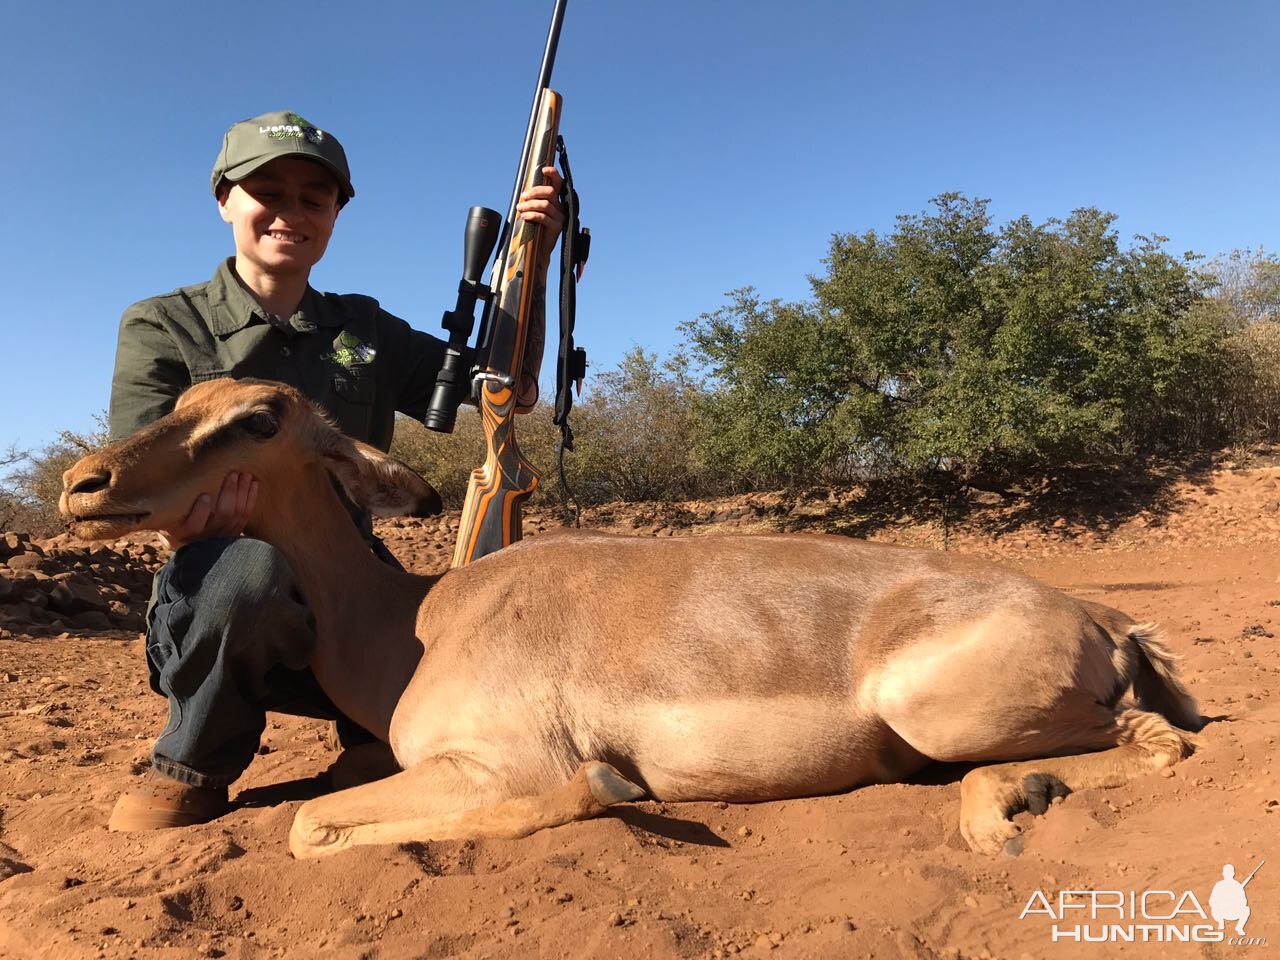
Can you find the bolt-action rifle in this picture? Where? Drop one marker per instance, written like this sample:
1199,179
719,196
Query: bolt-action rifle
491,514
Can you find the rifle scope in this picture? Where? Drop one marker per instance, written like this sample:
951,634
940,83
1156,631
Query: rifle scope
453,385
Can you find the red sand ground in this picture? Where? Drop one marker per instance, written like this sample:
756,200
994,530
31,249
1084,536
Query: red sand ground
880,872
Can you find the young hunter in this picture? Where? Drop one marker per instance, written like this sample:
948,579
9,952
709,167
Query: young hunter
229,637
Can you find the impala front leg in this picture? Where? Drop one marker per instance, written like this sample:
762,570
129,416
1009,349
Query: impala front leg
442,799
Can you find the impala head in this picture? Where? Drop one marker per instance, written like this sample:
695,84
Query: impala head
151,480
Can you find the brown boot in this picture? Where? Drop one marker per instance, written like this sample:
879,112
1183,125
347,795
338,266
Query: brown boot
159,803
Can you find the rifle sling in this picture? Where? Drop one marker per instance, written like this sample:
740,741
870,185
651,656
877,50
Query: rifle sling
571,365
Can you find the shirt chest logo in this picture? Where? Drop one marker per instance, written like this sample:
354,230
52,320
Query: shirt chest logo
350,351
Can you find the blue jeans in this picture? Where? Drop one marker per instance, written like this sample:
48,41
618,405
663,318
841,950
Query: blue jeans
229,637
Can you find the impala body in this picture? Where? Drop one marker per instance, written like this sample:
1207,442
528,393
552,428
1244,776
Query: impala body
563,674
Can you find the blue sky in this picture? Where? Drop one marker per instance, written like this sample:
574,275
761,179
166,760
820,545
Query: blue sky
715,145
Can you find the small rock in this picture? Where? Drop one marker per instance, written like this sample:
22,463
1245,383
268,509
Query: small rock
26,561
615,919
91,620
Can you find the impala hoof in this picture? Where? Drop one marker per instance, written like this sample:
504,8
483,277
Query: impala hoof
608,786
1042,791
310,838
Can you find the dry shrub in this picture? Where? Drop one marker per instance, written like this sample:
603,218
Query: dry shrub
29,494
1250,404
447,459
444,459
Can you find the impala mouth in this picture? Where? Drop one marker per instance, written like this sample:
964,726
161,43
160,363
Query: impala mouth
95,526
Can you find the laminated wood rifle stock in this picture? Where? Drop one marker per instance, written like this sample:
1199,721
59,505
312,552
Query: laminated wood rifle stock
497,489
513,329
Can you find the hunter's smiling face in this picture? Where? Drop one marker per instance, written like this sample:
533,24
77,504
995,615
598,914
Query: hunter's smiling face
281,216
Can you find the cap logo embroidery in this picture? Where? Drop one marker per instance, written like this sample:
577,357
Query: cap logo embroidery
296,128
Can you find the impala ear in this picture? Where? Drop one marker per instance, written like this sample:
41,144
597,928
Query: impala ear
381,484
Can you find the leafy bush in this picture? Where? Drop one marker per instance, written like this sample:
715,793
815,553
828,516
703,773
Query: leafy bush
953,345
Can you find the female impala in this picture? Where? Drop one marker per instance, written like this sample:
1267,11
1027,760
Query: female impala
573,671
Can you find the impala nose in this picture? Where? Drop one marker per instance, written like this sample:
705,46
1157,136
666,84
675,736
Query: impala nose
91,483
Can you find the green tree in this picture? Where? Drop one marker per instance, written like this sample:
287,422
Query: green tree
786,399
951,344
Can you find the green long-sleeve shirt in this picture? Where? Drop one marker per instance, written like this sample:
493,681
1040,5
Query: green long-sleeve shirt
345,352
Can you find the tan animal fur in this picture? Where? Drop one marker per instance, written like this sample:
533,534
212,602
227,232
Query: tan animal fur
544,683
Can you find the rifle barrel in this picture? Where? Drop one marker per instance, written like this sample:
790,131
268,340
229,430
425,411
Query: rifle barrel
504,240
544,81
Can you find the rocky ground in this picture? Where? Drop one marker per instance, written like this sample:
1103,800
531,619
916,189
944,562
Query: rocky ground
880,872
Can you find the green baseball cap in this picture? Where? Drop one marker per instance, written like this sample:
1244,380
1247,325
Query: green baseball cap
251,143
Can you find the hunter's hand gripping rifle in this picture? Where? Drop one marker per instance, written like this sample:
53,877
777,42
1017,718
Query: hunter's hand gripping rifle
491,514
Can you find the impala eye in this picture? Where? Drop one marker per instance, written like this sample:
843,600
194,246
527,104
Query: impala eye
261,425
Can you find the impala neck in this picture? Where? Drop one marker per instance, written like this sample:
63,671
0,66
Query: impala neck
366,611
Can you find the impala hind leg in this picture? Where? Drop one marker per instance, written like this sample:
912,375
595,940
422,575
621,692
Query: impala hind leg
989,796
442,799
